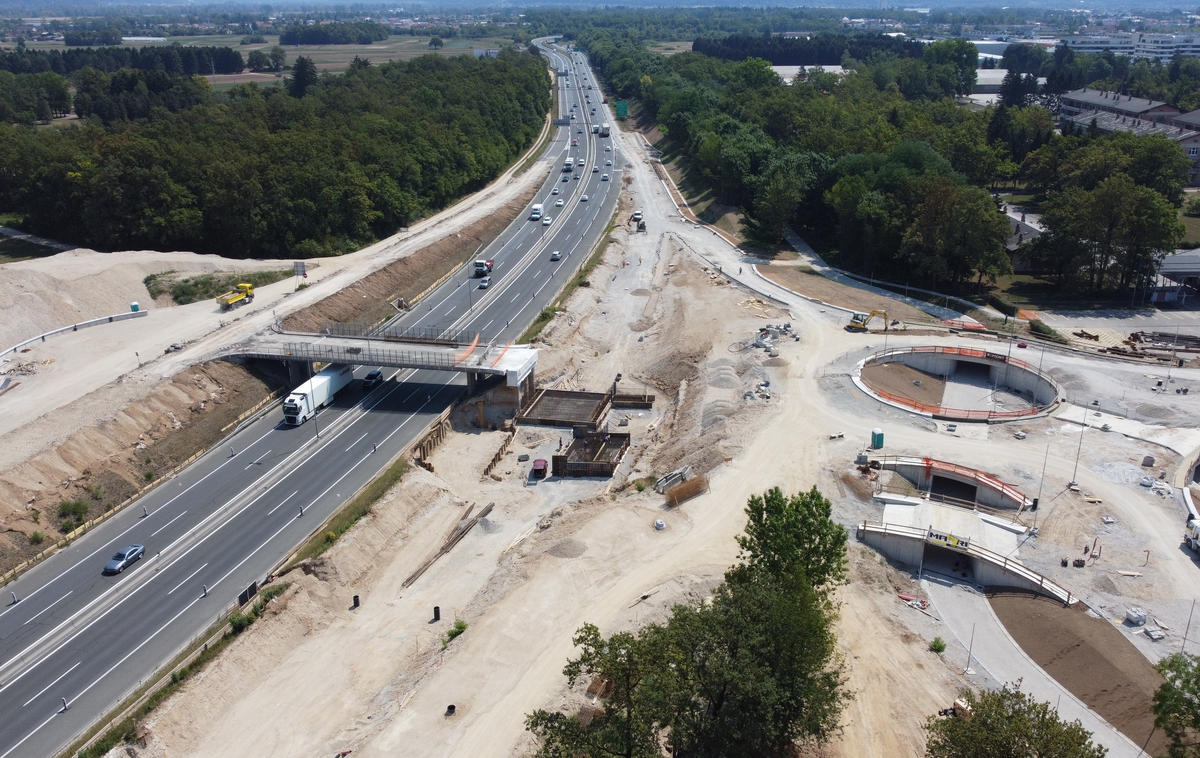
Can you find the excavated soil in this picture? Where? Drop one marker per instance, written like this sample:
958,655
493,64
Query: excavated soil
828,291
105,464
899,379
369,299
1089,657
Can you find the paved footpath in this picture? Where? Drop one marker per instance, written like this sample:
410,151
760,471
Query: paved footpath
968,612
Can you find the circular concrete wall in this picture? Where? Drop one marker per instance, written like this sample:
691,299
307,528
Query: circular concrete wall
957,384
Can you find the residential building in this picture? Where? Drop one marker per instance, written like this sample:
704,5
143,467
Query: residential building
1187,138
1090,100
1150,45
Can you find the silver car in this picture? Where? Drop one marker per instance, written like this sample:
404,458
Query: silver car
124,559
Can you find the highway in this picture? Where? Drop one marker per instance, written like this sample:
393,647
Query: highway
79,638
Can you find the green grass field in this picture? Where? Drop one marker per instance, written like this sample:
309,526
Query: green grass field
13,250
336,57
1191,237
669,48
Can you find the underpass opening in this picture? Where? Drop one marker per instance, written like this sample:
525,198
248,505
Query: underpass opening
947,562
945,489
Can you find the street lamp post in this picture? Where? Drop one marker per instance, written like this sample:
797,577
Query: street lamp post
1082,427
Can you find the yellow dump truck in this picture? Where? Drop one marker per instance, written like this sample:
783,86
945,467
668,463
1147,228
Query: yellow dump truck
240,296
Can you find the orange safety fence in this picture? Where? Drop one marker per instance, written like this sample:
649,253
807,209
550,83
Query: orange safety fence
1012,493
466,353
964,325
939,410
502,352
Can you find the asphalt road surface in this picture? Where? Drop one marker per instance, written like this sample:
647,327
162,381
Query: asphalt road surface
86,640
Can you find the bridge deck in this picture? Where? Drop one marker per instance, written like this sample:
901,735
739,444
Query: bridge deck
511,361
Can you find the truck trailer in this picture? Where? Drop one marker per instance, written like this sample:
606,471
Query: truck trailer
318,392
604,130
537,212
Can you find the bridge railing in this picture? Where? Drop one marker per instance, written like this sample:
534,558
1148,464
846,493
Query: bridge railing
372,354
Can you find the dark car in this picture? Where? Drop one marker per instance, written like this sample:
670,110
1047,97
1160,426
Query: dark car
539,469
372,379
124,559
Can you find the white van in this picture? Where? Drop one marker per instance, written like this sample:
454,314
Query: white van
537,212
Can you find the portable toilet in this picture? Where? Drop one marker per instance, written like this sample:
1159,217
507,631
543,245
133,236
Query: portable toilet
133,307
876,439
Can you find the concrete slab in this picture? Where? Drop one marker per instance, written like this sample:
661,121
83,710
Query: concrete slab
960,522
974,624
1182,441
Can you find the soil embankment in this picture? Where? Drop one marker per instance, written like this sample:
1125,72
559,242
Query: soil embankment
1089,657
103,465
369,299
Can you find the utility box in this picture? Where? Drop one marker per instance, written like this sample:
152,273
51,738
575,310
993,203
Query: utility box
876,439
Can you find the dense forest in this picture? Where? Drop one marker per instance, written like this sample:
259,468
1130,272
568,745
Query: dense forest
885,172
173,59
337,33
818,50
32,97
318,168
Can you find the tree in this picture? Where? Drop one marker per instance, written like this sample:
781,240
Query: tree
304,75
1177,704
436,43
790,535
278,56
1006,723
959,54
957,231
258,61
625,727
360,64
751,674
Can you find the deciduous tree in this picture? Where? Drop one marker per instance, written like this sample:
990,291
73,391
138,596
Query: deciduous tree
1008,723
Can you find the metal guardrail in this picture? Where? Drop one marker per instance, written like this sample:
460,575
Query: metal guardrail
363,330
75,328
1044,585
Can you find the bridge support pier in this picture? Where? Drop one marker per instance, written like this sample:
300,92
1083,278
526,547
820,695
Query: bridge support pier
298,373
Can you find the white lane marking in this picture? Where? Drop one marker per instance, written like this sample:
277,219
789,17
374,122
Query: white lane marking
259,461
172,521
136,524
516,298
485,326
51,684
185,581
48,607
26,737
127,657
281,502
355,442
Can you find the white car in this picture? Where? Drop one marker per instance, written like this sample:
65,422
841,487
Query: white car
559,204
554,191
546,221
604,178
608,163
556,255
485,282
608,148
583,199
595,169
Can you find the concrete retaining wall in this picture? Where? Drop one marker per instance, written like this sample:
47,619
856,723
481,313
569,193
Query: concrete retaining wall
999,373
75,328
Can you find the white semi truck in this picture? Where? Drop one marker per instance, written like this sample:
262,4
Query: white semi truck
318,392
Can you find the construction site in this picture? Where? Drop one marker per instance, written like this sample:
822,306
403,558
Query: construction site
1025,503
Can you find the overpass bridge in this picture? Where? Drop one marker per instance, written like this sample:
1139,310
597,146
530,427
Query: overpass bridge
416,348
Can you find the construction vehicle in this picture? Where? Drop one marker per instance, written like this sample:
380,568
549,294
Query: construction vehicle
1191,533
483,268
240,296
961,710
641,226
859,321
